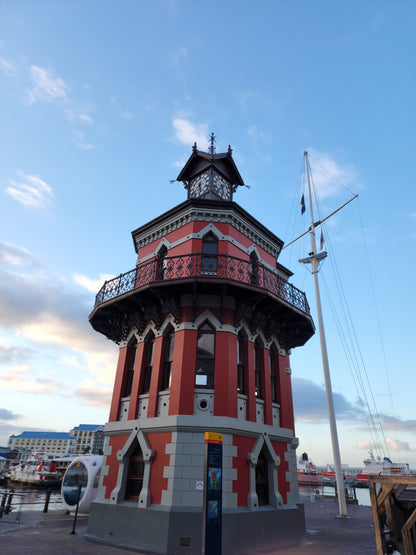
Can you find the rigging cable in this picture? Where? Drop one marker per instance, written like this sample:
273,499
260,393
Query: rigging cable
352,335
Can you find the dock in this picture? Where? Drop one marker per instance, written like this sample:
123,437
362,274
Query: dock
49,533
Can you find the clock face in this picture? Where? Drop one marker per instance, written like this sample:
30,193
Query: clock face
199,186
221,187
210,184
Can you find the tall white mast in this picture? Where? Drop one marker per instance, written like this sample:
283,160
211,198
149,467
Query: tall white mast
314,259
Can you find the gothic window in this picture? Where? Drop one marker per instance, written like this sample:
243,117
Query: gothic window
274,374
262,479
168,358
241,363
254,269
161,262
149,350
205,356
209,253
258,347
131,357
135,475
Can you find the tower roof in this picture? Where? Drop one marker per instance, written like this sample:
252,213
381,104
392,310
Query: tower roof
223,162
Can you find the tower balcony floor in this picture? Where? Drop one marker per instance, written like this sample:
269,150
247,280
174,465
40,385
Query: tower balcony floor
206,273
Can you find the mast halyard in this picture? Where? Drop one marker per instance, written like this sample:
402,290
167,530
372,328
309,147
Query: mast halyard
314,259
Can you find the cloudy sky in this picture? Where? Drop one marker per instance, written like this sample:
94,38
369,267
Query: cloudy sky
100,104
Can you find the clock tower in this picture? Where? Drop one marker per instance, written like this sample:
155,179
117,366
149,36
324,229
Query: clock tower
208,175
204,323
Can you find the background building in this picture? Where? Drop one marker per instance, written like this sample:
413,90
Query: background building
89,438
205,323
51,443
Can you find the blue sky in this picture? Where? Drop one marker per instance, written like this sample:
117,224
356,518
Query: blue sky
100,104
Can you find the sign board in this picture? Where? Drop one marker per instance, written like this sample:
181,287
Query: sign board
212,533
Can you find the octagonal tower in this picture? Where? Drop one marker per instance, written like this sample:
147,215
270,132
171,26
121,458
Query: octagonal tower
204,324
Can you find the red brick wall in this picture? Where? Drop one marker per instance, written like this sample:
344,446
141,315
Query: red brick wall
241,486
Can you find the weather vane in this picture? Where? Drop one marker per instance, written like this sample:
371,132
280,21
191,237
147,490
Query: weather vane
212,138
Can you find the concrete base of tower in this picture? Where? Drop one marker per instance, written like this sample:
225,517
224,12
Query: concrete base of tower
174,531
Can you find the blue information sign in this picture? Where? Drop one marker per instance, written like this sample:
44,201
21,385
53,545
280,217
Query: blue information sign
213,494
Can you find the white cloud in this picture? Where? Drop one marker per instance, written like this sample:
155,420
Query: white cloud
397,445
46,86
80,140
329,177
19,378
93,285
52,329
15,255
93,394
7,67
188,133
77,115
30,190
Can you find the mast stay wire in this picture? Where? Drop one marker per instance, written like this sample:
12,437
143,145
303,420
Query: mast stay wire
386,370
351,329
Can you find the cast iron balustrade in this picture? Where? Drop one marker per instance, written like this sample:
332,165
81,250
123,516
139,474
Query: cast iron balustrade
197,265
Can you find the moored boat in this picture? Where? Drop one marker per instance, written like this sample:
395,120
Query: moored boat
36,471
307,471
382,467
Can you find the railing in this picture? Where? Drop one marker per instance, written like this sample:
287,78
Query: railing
221,266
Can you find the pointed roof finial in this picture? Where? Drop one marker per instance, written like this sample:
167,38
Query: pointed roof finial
212,138
194,148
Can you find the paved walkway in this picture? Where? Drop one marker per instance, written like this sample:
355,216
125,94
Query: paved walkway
50,533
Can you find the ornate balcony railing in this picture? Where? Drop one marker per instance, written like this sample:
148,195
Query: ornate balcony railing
221,266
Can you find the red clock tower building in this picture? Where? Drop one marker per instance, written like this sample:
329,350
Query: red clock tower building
204,324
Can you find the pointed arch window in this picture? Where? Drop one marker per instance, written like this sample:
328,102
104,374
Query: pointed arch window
149,351
258,347
241,363
168,358
161,262
135,475
254,269
209,253
205,356
131,357
262,479
274,375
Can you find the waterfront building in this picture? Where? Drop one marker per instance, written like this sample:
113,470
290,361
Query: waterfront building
89,438
204,324
50,443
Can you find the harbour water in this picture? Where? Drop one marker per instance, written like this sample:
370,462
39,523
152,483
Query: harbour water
361,494
25,499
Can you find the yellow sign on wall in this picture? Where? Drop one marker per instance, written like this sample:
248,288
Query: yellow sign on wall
212,437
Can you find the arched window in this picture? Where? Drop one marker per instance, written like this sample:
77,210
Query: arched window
135,475
262,479
161,262
254,268
131,357
258,347
241,363
274,375
168,358
149,350
209,253
205,356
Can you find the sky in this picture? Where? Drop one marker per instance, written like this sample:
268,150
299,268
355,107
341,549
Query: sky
100,103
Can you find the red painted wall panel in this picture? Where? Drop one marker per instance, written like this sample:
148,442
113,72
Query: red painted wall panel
283,484
183,373
287,419
226,375
118,385
110,481
241,486
157,482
